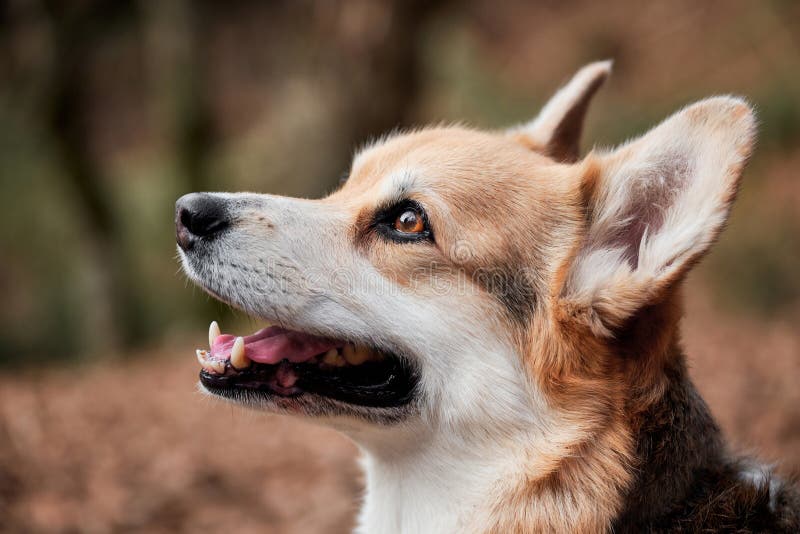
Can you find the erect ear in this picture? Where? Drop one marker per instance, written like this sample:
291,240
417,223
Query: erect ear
654,206
556,131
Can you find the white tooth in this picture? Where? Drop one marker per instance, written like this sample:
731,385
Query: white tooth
212,366
213,332
239,359
357,355
216,366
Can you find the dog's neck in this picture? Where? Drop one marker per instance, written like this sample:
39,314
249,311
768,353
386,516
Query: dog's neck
433,484
677,444
425,483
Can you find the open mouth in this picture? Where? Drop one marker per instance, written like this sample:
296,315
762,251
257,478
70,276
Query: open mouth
284,363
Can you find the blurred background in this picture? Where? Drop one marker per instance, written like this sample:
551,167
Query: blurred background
110,110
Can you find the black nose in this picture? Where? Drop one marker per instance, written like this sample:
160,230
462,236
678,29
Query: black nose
199,215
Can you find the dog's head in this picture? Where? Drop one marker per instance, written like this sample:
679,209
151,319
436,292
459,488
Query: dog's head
476,281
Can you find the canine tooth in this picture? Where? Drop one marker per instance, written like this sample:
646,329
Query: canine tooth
213,333
356,355
239,359
201,356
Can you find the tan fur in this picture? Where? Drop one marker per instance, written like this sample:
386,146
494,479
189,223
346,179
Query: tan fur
599,382
574,267
449,171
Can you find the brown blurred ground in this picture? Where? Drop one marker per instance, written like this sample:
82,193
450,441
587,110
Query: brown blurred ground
109,110
134,447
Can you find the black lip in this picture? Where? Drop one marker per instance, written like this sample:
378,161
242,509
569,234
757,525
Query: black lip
385,384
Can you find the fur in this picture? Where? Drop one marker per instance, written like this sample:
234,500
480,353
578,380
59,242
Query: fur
542,319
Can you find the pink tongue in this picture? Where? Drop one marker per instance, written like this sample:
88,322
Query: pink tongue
273,344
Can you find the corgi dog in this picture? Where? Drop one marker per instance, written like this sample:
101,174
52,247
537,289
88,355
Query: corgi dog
493,319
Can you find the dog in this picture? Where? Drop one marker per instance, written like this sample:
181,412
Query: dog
493,319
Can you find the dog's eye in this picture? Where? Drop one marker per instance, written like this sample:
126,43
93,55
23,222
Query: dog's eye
410,221
404,222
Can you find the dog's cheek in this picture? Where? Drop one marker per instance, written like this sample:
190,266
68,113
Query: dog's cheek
415,266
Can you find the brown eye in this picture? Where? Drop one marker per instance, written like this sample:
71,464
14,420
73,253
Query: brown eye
410,222
404,222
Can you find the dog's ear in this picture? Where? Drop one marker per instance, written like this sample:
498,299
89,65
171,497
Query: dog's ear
556,131
653,207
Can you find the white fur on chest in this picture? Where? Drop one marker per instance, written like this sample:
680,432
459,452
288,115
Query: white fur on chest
439,493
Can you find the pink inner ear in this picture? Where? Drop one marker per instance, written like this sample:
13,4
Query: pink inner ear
651,194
